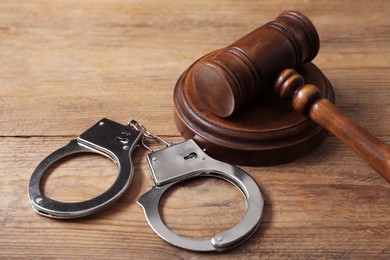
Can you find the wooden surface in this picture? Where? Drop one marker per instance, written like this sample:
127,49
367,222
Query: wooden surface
66,64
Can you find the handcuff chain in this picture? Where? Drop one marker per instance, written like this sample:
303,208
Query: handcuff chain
146,134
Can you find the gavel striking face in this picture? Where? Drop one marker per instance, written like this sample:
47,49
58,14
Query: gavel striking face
237,74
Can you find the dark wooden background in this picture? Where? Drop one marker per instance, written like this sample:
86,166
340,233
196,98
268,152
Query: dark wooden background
66,64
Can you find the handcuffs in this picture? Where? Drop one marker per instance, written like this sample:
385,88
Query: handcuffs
169,166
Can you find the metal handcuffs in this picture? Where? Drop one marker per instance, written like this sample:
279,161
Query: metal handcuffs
170,165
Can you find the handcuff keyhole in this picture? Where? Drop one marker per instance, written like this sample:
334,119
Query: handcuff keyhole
122,140
190,156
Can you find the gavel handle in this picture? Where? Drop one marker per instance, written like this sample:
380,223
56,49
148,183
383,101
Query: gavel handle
375,153
306,98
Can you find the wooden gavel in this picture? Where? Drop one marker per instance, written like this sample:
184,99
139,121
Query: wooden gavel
238,73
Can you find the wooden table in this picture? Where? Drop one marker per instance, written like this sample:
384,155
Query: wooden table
66,64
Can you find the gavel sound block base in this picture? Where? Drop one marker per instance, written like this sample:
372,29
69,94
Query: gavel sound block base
265,132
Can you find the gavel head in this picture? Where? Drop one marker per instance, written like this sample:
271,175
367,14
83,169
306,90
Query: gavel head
235,75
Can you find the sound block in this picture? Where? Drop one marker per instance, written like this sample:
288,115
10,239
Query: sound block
265,132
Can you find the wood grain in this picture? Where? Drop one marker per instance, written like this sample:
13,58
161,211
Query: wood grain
66,64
